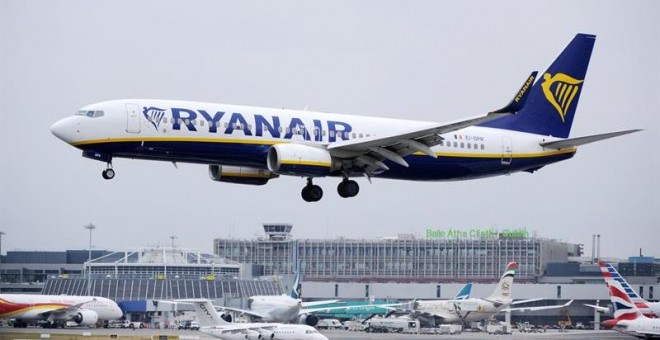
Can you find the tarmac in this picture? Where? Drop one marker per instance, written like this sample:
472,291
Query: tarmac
155,334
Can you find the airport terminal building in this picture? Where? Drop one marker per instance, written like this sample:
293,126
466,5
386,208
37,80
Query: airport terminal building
404,258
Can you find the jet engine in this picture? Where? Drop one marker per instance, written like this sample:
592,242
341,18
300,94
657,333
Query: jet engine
266,334
86,317
252,335
226,316
240,174
308,319
300,160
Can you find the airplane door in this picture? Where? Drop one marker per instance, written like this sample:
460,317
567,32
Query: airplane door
506,150
132,118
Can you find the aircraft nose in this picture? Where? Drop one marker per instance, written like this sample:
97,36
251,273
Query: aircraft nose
64,129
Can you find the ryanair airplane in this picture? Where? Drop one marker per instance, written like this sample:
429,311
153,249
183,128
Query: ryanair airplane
251,145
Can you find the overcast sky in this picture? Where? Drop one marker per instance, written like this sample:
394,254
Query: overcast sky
434,61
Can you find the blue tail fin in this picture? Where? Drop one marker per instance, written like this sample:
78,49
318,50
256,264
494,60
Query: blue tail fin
464,293
552,102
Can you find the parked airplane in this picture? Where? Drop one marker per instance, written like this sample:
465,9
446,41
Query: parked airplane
281,308
649,309
473,309
251,145
56,310
627,317
211,323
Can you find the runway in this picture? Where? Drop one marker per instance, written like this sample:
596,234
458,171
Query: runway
153,334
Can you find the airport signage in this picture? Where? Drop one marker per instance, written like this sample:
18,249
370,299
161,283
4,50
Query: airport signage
486,233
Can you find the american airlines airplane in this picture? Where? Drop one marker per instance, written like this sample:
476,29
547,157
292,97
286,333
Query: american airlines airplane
610,274
472,309
252,145
56,310
211,323
627,317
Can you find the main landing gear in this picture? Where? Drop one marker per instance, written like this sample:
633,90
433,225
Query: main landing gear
314,193
108,173
311,192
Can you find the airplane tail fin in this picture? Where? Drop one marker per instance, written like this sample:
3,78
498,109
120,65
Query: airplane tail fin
610,274
464,293
552,101
206,314
296,289
624,308
503,289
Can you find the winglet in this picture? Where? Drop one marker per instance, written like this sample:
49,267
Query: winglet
521,96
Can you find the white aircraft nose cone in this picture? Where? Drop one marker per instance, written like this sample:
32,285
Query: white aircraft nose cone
63,130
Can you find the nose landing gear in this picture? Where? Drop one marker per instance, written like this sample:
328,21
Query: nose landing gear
108,173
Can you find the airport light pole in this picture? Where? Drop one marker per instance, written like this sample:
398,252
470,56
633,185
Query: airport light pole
89,227
173,237
1,233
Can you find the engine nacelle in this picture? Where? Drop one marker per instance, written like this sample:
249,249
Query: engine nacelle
86,317
240,174
266,334
226,316
300,160
252,335
308,319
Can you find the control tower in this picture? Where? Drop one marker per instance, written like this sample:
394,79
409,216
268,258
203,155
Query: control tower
278,231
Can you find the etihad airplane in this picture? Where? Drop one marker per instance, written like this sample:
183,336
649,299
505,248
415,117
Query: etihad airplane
628,319
610,274
472,309
56,310
252,145
211,323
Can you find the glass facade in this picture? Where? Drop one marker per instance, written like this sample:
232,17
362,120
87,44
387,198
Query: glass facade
420,260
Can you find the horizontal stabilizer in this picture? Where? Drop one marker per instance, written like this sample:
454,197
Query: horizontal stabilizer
600,309
572,142
520,98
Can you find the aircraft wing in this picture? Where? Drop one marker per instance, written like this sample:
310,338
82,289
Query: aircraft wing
598,308
244,312
535,308
370,153
316,303
65,312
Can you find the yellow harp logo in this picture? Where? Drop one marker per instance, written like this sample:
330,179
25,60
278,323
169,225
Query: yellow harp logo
560,90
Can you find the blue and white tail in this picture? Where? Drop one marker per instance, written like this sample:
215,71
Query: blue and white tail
553,99
610,275
624,308
296,288
464,293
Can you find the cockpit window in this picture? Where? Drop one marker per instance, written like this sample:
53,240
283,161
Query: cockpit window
90,113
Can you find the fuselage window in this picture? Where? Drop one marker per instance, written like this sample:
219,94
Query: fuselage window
201,123
462,145
455,144
226,125
482,146
360,135
469,146
194,121
353,135
249,127
165,120
332,133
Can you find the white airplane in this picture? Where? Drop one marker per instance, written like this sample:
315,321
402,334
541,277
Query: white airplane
282,308
627,317
56,310
211,323
251,145
473,309
648,309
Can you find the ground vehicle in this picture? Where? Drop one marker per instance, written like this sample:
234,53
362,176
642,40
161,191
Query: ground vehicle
189,324
132,324
392,325
329,324
498,328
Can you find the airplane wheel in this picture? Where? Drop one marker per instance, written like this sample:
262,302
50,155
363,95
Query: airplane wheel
305,194
348,188
315,193
108,174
